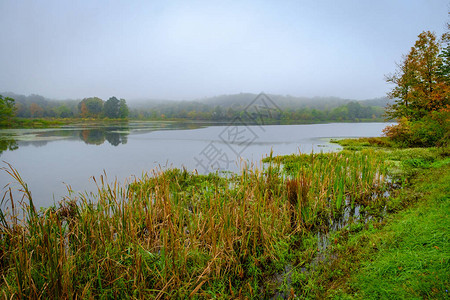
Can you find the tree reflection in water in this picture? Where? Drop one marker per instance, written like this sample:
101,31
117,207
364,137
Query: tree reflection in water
8,143
99,135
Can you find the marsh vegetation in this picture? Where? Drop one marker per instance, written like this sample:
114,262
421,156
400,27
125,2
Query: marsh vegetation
174,233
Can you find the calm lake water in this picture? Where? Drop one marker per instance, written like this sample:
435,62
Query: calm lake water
47,159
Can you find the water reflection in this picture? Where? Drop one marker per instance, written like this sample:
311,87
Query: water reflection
91,134
115,138
95,135
8,143
98,136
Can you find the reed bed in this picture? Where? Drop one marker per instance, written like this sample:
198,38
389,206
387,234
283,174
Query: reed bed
329,183
176,234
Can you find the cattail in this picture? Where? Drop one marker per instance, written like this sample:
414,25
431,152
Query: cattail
292,195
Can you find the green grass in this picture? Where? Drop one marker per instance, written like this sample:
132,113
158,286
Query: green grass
55,122
413,255
363,143
37,123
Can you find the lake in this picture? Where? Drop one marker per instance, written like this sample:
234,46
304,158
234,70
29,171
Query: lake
48,159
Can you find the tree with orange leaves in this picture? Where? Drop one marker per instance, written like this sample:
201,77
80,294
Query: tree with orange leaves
422,94
84,110
36,110
420,87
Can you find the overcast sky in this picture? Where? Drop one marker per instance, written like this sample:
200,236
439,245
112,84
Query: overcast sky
194,49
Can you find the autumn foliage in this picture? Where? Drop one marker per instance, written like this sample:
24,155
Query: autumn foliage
421,93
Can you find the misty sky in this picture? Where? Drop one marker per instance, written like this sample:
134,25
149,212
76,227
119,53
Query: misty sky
194,49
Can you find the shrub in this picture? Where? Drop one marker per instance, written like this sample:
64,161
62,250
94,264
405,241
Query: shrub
431,130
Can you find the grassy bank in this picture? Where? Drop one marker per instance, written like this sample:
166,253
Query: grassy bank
302,226
25,123
414,248
58,122
36,123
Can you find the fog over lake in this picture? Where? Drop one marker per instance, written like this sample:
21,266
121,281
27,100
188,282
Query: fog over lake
47,159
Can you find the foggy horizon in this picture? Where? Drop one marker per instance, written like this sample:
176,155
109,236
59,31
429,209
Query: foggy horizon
189,51
143,99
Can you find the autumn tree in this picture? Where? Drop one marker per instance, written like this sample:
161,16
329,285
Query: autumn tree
36,110
421,94
419,86
83,110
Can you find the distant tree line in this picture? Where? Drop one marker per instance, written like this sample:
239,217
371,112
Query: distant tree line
36,106
224,108
351,111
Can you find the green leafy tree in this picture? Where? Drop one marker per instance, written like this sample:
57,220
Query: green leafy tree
7,110
111,108
444,71
63,111
91,107
123,109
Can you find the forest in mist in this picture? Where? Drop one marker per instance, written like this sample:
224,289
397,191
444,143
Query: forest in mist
218,108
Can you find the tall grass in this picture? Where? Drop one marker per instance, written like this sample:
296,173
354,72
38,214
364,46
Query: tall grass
330,182
178,234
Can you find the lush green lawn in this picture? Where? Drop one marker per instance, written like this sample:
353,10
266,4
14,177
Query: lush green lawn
413,254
